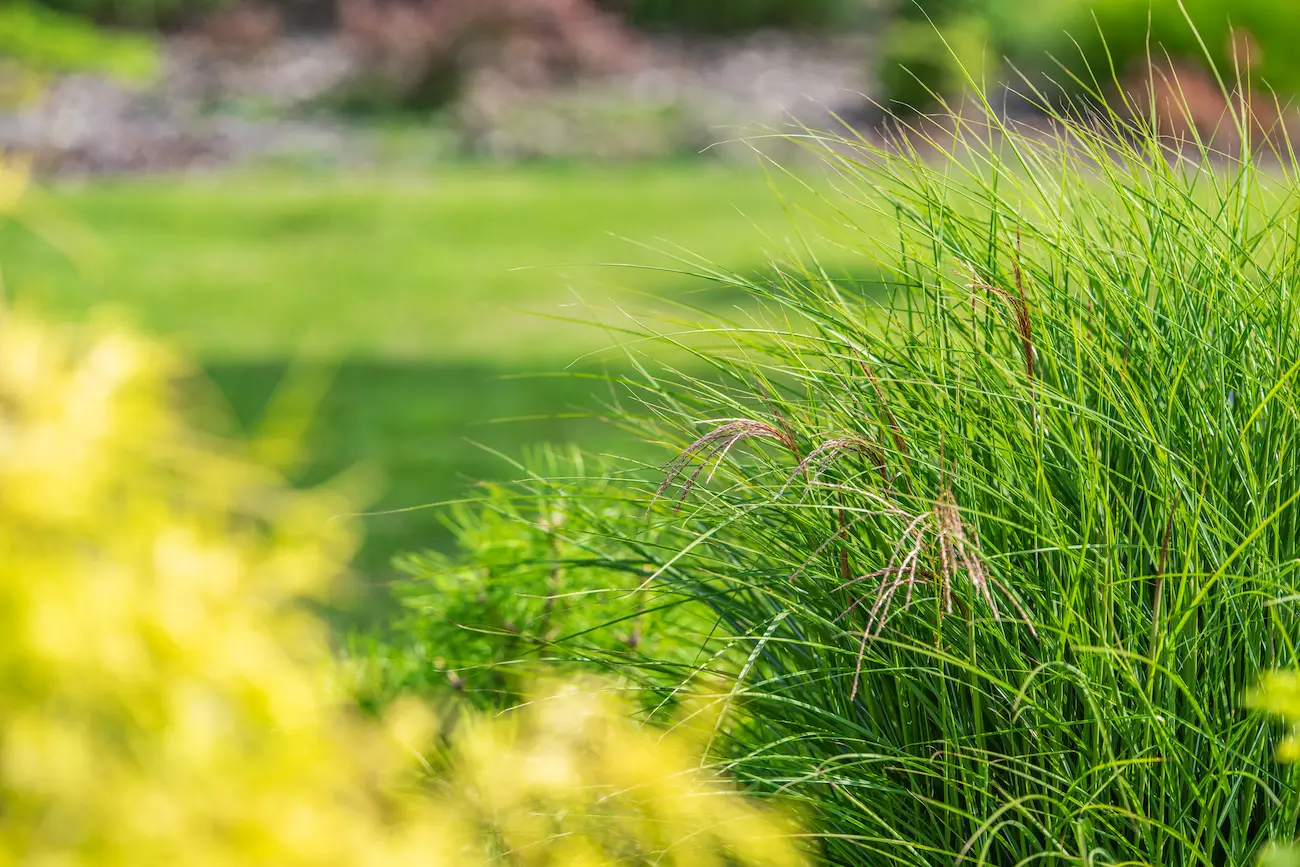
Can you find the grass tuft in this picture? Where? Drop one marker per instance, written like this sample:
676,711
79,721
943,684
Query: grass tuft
1030,533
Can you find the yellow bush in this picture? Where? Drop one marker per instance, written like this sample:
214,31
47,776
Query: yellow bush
165,697
568,781
1279,694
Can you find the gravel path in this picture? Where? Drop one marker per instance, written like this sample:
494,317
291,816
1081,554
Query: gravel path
207,111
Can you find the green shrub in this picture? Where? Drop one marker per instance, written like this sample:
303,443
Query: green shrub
997,560
1099,34
1110,39
922,65
930,48
524,587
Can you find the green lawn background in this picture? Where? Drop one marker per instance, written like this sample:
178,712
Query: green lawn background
429,299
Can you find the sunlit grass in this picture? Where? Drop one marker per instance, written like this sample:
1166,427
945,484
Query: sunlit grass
448,265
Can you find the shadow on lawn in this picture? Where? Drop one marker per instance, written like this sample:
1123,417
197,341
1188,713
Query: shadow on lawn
427,428
430,429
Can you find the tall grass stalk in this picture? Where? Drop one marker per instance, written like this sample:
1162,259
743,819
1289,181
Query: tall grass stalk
995,560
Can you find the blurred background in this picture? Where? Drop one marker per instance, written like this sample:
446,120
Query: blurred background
398,207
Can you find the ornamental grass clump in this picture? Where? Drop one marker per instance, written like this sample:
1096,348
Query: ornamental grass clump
1017,622
998,553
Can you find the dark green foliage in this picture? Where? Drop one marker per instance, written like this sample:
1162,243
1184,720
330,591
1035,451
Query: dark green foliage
994,564
135,13
736,16
937,10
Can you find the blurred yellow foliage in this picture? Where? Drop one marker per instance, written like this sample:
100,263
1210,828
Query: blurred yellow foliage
1279,694
569,781
165,697
14,177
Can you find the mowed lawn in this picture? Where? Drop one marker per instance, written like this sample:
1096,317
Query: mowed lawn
429,300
